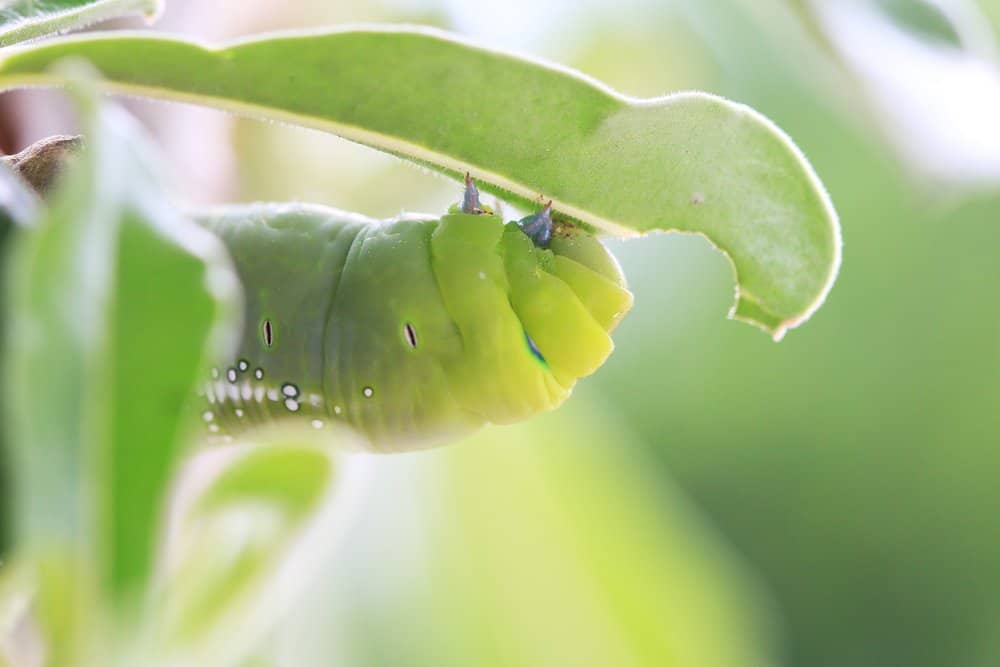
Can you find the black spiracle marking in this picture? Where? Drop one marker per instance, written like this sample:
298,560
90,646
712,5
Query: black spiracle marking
267,331
411,335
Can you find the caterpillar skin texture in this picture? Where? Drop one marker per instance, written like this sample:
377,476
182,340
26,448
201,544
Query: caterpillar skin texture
412,331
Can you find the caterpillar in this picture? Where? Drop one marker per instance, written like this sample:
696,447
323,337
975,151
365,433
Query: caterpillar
414,330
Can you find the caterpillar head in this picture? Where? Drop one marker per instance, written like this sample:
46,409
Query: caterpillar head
535,304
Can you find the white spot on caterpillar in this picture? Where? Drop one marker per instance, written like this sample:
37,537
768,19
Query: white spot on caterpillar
317,423
247,391
368,392
316,400
233,392
239,412
292,404
259,393
214,428
243,365
215,373
207,415
272,394
482,275
289,390
259,373
231,375
336,409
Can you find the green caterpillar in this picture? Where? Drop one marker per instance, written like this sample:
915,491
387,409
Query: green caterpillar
413,330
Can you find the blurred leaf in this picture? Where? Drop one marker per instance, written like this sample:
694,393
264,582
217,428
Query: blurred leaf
928,73
245,544
608,565
41,600
14,609
687,162
545,543
18,207
919,16
922,17
27,19
59,599
114,302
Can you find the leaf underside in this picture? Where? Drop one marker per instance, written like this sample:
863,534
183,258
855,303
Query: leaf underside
27,19
527,130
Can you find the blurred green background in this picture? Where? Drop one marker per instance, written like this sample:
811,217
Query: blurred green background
709,497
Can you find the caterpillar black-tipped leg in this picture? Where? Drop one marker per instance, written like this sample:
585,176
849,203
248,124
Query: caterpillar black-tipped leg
538,227
470,200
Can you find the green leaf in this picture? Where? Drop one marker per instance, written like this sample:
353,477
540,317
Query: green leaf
27,19
688,162
18,208
250,532
14,608
115,300
41,599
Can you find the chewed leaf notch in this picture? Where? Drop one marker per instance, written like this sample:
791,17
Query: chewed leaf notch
689,162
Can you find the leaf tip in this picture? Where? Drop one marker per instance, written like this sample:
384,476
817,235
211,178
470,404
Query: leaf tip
748,307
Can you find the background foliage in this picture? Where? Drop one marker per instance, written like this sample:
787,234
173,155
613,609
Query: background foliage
852,465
